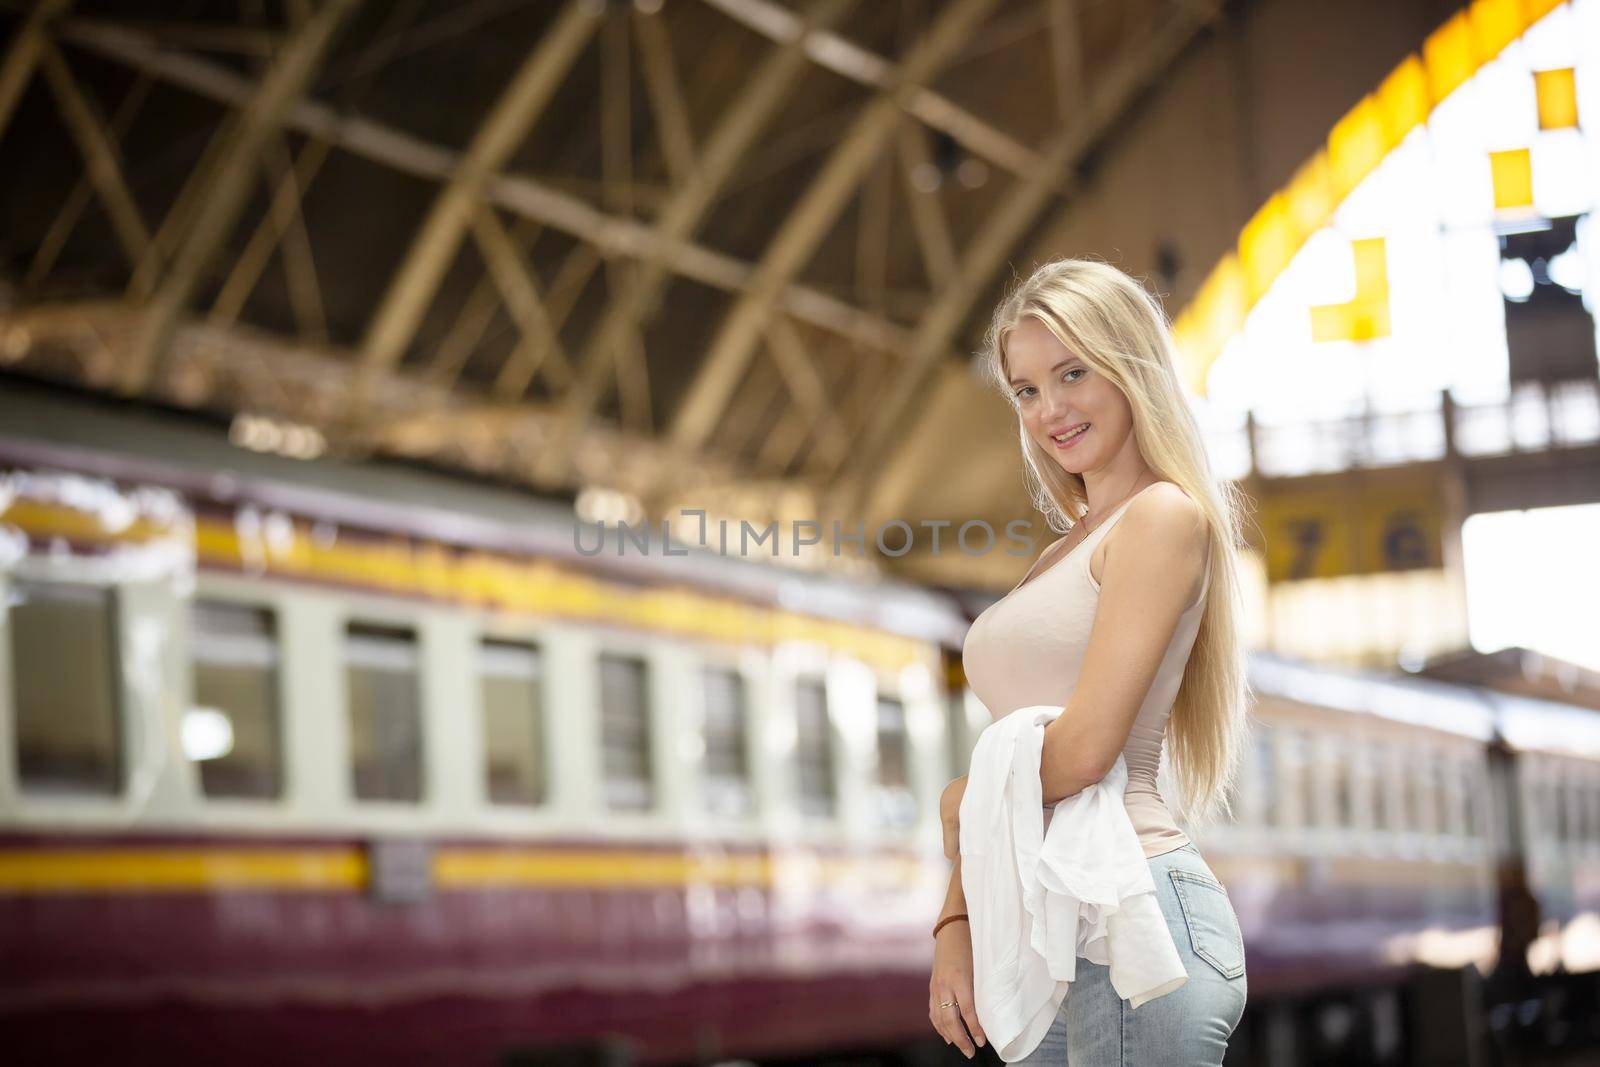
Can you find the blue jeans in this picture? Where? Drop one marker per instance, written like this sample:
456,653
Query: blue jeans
1188,1027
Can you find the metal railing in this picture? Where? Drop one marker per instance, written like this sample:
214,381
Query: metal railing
1534,418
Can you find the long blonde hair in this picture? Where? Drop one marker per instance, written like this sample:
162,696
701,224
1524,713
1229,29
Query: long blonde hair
1116,326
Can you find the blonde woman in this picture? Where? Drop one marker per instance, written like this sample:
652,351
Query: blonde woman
1130,623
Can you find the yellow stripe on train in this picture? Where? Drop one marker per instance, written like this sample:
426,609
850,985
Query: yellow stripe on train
155,870
139,870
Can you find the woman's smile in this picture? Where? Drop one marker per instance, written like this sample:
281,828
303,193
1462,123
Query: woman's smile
1070,438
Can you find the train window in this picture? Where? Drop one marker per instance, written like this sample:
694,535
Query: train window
233,731
510,677
1364,783
1425,786
1299,780
1553,808
625,733
727,768
1558,801
1526,797
897,804
1230,811
1536,810
1539,809
1342,773
814,748
1449,794
1591,805
1413,789
1266,776
1471,825
1583,829
1588,799
1572,801
956,747
1386,796
385,712
956,693
1310,783
1577,799
65,684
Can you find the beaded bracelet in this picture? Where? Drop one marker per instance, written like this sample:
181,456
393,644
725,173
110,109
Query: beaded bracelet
947,919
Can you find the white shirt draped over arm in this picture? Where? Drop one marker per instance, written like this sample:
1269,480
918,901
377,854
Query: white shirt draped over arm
1037,901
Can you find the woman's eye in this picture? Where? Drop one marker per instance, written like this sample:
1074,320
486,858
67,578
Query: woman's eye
1074,370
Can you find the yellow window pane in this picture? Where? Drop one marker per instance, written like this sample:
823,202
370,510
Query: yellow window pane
1192,357
1369,319
1449,54
1495,24
1403,99
1557,93
1331,322
1267,244
1513,178
1356,145
1359,320
1215,314
1310,196
1372,268
1365,316
1226,285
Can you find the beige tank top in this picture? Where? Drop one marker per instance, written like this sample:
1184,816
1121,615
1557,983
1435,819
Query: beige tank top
1027,648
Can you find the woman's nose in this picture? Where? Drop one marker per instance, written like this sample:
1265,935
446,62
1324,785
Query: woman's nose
1054,405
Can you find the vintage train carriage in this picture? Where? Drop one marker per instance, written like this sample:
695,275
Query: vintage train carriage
1556,813
1379,828
1364,821
309,760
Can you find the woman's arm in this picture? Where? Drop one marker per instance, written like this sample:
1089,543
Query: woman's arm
950,816
1152,574
952,1007
955,898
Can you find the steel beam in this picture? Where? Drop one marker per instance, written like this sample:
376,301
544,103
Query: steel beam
23,55
414,285
804,228
102,160
521,195
848,59
227,184
863,486
738,129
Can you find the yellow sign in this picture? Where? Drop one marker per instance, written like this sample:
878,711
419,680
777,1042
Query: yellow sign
1360,530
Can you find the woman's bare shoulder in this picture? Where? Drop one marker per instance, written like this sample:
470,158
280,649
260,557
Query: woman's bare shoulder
1167,506
1163,518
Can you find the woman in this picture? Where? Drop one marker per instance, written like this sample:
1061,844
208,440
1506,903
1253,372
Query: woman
1130,622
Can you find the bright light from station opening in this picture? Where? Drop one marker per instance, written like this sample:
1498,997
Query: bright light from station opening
1532,581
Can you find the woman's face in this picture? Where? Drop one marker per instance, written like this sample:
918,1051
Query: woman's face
1057,393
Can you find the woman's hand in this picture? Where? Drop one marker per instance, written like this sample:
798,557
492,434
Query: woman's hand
952,984
950,816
